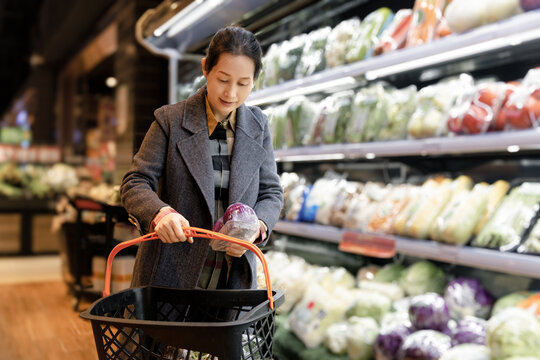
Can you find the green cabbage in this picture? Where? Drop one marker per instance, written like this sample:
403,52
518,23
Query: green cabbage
422,277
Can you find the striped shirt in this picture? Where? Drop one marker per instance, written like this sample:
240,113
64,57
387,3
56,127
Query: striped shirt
221,136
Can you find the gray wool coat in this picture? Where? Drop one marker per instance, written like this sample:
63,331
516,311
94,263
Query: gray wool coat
176,154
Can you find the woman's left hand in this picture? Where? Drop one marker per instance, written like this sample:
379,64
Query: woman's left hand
238,250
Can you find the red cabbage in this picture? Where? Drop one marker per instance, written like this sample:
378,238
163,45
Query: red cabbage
389,340
470,330
429,311
529,5
240,221
467,297
238,212
425,345
218,225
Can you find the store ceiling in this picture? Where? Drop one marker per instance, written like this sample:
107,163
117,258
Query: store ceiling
50,30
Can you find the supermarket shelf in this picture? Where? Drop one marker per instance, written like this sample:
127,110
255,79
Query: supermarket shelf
509,34
513,263
511,141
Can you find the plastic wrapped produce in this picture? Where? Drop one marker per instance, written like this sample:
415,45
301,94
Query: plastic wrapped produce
393,291
496,193
270,74
295,200
507,301
463,15
320,194
426,17
522,110
338,41
429,311
338,115
425,345
363,206
395,35
529,5
513,216
364,103
400,105
239,221
289,56
513,332
317,310
362,43
532,241
313,59
388,208
422,277
378,117
342,202
470,330
468,297
278,120
390,273
467,352
326,209
316,133
301,114
361,336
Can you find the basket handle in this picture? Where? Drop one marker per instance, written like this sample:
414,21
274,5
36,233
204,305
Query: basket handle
191,232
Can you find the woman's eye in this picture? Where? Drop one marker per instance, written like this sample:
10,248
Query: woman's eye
243,84
223,81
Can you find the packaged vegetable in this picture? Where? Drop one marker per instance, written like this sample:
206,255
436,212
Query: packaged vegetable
388,208
343,201
512,332
363,206
393,291
364,104
389,273
239,221
463,15
377,118
468,297
395,35
388,342
367,273
532,304
289,56
313,59
529,5
400,105
301,114
295,201
360,338
338,41
496,193
342,110
321,193
422,277
429,311
507,301
371,304
335,338
426,17
270,75
532,241
513,216
522,110
361,44
467,352
425,345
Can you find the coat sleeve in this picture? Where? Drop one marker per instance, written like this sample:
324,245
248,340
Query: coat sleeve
138,190
270,198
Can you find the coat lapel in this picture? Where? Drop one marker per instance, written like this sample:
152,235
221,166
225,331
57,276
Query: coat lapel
247,155
195,149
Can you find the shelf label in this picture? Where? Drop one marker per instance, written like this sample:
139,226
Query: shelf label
379,246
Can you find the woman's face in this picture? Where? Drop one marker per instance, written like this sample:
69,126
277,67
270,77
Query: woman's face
229,83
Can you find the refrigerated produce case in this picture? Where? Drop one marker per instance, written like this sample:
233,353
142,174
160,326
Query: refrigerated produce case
504,50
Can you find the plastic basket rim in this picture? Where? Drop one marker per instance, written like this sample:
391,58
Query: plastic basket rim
245,320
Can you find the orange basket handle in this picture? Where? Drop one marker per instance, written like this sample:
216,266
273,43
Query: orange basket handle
191,232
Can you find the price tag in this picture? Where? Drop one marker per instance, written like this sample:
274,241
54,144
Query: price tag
379,246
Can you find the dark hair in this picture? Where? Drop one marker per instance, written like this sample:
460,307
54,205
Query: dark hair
234,40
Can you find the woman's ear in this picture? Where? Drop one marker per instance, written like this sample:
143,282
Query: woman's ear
203,62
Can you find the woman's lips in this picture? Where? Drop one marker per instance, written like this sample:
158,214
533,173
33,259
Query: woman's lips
226,103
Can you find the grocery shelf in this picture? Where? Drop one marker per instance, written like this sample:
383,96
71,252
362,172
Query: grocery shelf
511,141
488,259
509,34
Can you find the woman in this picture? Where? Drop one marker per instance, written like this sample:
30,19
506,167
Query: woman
207,152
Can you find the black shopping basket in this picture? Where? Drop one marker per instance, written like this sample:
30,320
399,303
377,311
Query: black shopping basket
163,323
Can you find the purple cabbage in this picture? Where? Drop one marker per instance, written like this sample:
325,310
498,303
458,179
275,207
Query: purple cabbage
467,297
389,340
425,345
429,311
529,5
218,225
240,221
238,212
470,330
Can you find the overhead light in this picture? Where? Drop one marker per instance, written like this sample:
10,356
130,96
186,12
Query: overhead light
310,157
370,155
187,17
454,54
111,82
330,85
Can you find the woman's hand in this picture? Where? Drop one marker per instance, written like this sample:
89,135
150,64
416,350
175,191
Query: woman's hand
169,227
238,250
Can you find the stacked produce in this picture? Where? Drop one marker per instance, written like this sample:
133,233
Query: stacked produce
35,181
454,211
397,312
380,112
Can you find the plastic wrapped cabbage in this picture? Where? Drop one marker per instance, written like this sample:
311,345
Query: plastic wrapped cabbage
370,303
313,59
467,296
470,330
467,352
513,331
429,311
239,221
389,273
507,301
389,341
425,345
393,291
338,40
422,277
361,336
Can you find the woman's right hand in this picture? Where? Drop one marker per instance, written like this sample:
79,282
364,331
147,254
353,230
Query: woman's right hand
169,228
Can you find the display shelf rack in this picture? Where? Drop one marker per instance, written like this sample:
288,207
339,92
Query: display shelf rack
508,141
488,259
502,38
